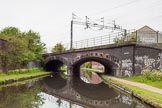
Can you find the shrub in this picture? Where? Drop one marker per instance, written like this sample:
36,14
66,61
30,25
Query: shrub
155,75
119,40
128,38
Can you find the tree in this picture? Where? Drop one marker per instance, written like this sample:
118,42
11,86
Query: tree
58,48
20,48
34,44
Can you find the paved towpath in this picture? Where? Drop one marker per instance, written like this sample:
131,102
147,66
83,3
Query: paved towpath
140,85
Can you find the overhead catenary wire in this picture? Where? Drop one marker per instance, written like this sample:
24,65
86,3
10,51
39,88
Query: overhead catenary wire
116,7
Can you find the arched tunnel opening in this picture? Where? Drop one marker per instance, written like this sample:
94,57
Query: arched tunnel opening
89,69
89,72
56,66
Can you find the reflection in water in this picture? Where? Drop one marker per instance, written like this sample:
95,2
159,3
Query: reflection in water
22,96
57,102
56,92
89,72
56,81
93,91
90,77
91,95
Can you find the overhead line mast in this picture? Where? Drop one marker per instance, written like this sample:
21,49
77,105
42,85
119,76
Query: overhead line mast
88,24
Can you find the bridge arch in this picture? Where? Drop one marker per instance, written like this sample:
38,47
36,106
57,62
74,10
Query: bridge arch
53,63
111,63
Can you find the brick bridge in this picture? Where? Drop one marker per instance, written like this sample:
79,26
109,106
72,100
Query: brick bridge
118,60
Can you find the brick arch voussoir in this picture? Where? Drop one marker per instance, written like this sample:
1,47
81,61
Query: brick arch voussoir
102,55
51,58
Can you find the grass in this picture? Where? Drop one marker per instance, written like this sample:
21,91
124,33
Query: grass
17,74
63,68
144,80
88,71
92,70
151,97
152,78
20,82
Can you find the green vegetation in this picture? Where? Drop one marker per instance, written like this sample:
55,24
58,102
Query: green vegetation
92,70
86,69
151,97
87,72
21,97
23,73
63,68
20,48
119,40
153,78
129,38
58,48
87,65
63,75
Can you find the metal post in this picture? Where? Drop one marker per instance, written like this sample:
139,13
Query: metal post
76,45
157,36
71,38
101,40
87,25
125,34
109,38
87,42
136,37
81,44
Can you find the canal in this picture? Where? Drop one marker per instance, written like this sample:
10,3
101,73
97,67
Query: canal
59,91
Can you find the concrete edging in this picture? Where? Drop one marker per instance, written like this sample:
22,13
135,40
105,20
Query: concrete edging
130,92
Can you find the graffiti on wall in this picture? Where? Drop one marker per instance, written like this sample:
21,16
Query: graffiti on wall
146,62
127,67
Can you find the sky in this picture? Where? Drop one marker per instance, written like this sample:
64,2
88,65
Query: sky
51,18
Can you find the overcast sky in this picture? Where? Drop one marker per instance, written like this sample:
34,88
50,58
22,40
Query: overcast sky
51,18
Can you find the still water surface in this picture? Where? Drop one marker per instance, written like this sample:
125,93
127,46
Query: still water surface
59,92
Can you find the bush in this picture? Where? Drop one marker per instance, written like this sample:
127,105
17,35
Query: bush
155,75
119,40
129,38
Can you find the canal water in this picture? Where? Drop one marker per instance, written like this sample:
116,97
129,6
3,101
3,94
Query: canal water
59,91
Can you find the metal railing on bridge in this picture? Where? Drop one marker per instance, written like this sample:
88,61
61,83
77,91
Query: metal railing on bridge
96,41
146,38
152,39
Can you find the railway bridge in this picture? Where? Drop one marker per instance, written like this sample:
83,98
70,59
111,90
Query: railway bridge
118,60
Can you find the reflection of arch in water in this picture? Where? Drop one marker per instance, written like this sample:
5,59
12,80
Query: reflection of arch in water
56,82
97,92
85,94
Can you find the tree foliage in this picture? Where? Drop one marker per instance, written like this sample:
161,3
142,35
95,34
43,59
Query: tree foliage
20,48
58,48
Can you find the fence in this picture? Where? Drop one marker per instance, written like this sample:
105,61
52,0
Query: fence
147,38
96,41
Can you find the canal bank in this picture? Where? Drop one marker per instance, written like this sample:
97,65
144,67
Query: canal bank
22,75
153,98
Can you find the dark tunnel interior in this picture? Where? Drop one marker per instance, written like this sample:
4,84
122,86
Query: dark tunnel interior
54,66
